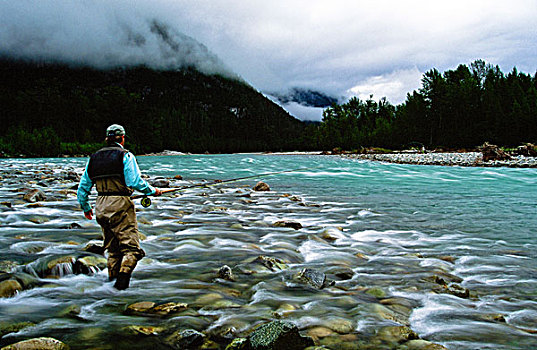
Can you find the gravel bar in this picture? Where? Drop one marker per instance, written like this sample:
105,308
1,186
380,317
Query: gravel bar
473,159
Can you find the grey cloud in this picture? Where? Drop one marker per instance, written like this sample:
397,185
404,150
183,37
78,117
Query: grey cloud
101,34
279,44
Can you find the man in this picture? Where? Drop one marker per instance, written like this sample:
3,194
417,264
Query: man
116,175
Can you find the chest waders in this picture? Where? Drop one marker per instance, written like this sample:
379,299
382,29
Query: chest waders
115,213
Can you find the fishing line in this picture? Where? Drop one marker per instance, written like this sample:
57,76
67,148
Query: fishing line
146,201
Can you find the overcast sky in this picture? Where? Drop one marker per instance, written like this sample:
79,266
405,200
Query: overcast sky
341,47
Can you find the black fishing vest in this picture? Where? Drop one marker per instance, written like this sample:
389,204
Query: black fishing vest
107,162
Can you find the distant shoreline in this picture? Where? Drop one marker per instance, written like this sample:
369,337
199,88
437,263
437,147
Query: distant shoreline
465,159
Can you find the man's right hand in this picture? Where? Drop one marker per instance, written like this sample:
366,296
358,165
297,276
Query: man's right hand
157,192
89,214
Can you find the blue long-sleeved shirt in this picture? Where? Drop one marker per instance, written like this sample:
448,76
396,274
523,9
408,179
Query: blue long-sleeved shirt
133,179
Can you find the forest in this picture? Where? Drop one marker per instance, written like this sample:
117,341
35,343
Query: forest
458,109
51,109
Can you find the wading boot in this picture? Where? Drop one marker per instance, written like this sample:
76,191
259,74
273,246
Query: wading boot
122,281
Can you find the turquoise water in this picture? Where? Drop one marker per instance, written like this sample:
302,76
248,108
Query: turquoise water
409,222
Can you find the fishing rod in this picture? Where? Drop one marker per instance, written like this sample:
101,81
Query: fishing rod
146,201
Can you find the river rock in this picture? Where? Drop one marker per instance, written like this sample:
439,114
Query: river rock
140,307
396,334
261,186
27,281
341,273
149,308
56,267
527,150
340,325
185,339
237,344
493,152
314,278
73,226
383,312
89,265
34,195
71,311
277,335
331,234
292,224
168,308
319,332
376,292
272,264
160,182
94,248
43,343
226,273
420,344
9,288
7,266
145,330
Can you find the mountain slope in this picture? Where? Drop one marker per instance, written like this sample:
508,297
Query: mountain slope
182,110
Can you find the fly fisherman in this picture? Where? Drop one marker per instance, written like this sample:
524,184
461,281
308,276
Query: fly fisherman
116,175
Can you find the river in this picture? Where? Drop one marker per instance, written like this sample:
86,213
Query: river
449,252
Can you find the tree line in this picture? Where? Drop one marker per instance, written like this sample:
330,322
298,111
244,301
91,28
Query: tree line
49,109
461,108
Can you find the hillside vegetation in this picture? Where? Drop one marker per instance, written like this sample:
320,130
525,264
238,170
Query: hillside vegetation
51,109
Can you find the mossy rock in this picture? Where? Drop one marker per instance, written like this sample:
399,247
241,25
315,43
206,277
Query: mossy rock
43,343
376,292
278,335
6,328
9,288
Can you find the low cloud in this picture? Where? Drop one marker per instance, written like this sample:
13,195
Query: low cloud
339,48
98,33
394,86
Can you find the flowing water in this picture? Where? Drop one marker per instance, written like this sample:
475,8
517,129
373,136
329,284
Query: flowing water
397,239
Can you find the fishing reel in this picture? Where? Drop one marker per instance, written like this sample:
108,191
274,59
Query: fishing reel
145,202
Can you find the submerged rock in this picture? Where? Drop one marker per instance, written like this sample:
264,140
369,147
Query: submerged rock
149,308
89,265
145,330
314,278
420,344
272,264
226,273
12,283
34,195
237,344
6,328
277,335
376,292
185,339
261,186
94,248
396,334
160,182
73,226
292,224
7,266
43,343
9,288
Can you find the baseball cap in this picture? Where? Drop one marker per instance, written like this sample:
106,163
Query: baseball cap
115,130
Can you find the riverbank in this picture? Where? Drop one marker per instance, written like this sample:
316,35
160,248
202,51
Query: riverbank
468,159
